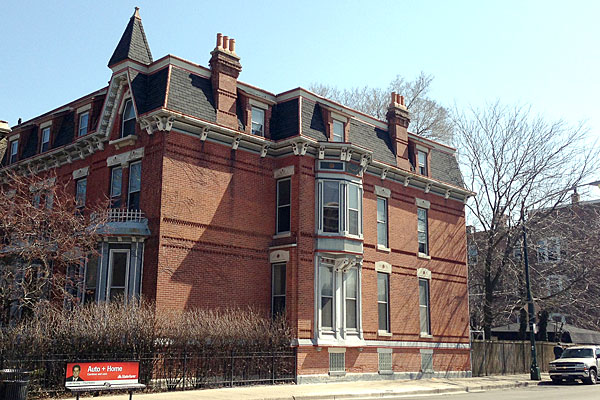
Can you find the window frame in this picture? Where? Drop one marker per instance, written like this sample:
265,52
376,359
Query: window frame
115,199
425,231
345,277
255,112
81,204
386,302
125,120
43,142
426,307
383,222
88,260
129,185
109,286
87,122
13,155
422,166
326,328
343,208
338,138
274,315
279,206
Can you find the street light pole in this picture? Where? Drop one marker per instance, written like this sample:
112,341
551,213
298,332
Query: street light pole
534,370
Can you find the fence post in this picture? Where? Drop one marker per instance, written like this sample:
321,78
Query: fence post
272,366
184,367
296,365
232,361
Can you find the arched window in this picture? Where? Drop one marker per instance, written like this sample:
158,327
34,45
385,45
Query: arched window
128,123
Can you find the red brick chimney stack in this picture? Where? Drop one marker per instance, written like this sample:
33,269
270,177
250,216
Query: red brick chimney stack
398,120
225,67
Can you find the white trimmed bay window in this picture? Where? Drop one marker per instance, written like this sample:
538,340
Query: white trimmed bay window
338,304
340,207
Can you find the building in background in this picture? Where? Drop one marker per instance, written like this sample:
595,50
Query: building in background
223,195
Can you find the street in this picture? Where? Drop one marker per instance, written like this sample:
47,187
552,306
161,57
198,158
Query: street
545,391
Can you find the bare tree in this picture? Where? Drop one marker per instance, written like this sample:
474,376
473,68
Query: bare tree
44,240
523,169
428,117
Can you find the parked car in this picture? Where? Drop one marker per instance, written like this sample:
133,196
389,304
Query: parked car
577,362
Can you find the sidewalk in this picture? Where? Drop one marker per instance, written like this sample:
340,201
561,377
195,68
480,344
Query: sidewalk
348,390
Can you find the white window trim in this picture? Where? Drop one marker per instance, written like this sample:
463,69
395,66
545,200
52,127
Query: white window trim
81,172
383,246
49,130
333,135
381,332
87,127
45,124
338,333
343,210
264,119
83,109
110,271
122,112
420,273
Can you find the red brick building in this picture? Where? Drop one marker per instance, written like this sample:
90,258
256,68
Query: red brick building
352,227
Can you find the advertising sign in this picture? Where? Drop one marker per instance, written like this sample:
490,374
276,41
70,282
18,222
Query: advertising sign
102,373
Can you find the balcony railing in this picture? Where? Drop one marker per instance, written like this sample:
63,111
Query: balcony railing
124,215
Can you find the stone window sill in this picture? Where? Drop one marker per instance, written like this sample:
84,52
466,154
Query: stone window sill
282,235
124,141
386,372
384,333
381,247
426,336
424,256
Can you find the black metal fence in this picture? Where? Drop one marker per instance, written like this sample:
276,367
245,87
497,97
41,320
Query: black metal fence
166,371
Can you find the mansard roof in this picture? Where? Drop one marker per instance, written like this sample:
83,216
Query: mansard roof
133,44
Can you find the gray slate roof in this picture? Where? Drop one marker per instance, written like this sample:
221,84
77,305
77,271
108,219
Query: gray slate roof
149,90
191,94
133,44
444,167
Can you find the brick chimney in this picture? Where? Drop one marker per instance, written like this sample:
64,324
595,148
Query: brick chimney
225,68
398,120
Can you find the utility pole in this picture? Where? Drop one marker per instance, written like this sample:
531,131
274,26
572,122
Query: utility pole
534,370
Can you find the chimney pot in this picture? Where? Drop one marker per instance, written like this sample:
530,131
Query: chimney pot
402,100
393,97
232,45
219,40
226,42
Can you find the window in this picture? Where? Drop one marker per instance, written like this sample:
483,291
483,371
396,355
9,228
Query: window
135,182
422,162
385,361
91,279
351,280
14,151
128,123
83,123
337,361
258,121
283,205
426,360
338,131
424,306
548,250
331,206
382,228
80,192
472,253
278,290
326,284
383,301
338,298
116,181
117,274
353,209
340,207
422,230
45,145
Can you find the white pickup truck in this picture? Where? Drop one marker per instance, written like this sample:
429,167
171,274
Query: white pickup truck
577,362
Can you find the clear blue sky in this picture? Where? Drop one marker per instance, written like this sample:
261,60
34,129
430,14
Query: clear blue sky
543,53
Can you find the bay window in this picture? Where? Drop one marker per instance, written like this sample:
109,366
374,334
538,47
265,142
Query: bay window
339,304
340,207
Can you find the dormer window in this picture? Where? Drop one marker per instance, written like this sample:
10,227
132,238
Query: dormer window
128,124
422,162
83,123
45,145
258,121
14,151
338,131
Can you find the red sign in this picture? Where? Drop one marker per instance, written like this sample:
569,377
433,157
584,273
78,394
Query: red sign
101,373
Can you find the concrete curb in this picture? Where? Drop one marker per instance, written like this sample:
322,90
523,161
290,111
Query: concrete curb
420,392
